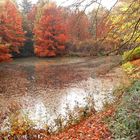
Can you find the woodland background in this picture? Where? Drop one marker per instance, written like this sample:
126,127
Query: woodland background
45,29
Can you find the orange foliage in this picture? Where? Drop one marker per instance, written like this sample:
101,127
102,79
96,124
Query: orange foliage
92,128
4,53
136,62
102,29
78,26
11,32
50,33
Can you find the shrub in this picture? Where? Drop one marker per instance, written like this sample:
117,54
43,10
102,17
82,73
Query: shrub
125,124
128,67
132,54
85,48
92,47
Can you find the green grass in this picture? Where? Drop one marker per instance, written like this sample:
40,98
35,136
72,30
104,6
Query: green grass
125,124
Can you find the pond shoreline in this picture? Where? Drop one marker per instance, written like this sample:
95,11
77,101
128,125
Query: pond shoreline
43,85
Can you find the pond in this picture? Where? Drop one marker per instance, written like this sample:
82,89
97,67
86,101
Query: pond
39,90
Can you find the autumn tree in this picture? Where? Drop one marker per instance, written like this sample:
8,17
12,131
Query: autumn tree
26,8
125,26
4,53
36,12
50,33
11,32
78,26
98,26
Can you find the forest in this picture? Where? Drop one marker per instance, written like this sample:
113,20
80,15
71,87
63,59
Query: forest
70,70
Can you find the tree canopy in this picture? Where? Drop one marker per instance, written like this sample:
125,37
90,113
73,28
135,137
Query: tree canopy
51,27
11,32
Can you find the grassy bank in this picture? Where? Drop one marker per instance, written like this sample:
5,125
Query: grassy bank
125,123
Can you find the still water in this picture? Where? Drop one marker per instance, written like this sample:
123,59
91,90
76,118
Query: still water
39,90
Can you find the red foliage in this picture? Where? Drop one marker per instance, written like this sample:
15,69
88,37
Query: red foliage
11,33
136,62
50,33
103,28
78,26
4,53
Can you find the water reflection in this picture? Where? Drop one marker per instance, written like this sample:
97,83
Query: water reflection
38,91
37,114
